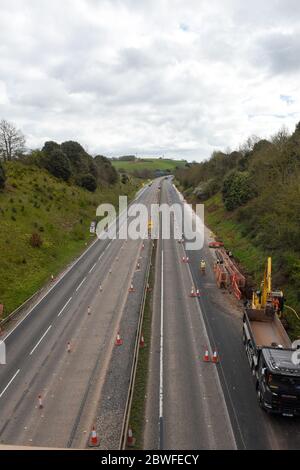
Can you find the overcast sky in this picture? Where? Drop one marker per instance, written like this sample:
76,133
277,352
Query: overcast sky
150,77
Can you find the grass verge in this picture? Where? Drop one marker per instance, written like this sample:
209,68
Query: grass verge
34,202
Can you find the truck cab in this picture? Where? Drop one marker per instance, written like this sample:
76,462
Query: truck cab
274,363
278,382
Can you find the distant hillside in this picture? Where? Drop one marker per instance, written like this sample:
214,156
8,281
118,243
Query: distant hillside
37,208
146,167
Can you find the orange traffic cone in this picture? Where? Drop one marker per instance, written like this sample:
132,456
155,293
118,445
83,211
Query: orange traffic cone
193,293
143,246
142,341
94,439
215,358
130,438
131,289
206,356
138,267
197,293
40,402
187,259
119,341
183,259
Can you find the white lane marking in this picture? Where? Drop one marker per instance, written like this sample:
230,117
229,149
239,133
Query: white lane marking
11,380
40,340
64,307
161,371
92,268
79,285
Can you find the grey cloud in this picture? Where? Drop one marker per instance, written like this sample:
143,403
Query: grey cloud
174,77
279,52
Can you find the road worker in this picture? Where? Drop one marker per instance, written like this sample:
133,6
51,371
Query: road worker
276,304
202,265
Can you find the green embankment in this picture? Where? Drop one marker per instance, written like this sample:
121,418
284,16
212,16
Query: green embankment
250,257
60,213
151,164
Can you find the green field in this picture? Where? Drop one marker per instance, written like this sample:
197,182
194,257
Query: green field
60,213
151,164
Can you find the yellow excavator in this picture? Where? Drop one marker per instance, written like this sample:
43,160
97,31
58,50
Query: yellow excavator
265,298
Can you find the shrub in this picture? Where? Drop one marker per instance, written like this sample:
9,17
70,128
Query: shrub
2,176
88,182
58,164
35,240
237,189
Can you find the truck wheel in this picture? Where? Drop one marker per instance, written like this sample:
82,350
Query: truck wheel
244,338
259,399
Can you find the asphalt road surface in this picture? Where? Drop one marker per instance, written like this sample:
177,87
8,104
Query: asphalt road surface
84,308
185,414
191,404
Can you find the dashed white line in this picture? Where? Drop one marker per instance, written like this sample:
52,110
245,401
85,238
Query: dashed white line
161,370
64,307
92,268
40,340
78,287
11,380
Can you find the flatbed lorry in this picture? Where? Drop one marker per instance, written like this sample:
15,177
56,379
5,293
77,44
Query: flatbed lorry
272,360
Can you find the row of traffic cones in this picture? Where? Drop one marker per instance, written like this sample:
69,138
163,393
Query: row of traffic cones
132,289
185,259
214,358
94,440
119,340
194,292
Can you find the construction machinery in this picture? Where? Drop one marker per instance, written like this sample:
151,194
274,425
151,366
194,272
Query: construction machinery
273,359
227,273
265,298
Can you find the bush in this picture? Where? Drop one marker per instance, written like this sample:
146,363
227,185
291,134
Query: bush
237,189
58,165
88,182
35,240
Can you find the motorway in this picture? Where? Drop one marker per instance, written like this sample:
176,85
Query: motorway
182,410
84,308
190,404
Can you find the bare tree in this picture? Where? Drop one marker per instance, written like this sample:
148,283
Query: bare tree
12,141
280,138
247,146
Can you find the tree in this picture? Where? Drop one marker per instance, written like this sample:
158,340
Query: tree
58,164
49,147
73,150
2,176
12,141
106,171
